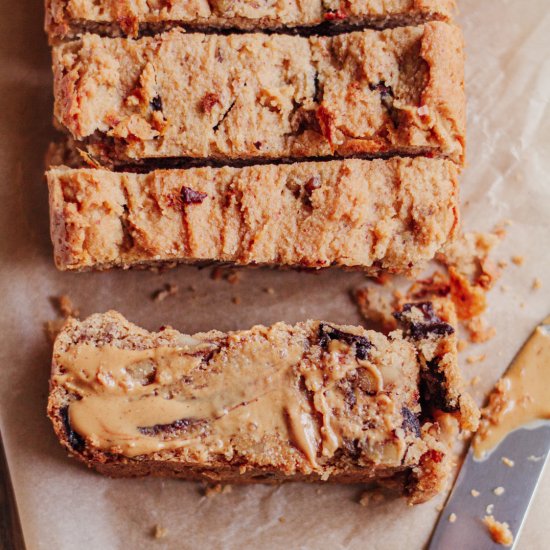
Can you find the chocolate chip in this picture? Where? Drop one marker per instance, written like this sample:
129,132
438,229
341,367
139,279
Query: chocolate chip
352,447
433,384
190,196
410,423
156,103
327,334
173,428
75,440
431,325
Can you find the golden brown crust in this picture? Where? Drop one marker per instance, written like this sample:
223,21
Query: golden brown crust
69,18
404,441
373,215
398,91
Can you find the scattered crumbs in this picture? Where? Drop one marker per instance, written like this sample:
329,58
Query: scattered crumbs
500,228
318,491
217,489
236,300
462,345
504,288
500,532
475,493
166,291
507,462
503,264
452,518
159,532
475,381
282,519
473,359
522,305
499,491
489,509
269,290
479,330
534,458
439,507
192,288
232,276
537,284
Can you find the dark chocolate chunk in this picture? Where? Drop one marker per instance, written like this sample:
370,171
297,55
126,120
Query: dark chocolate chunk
76,441
433,388
352,447
386,97
190,196
431,325
173,428
327,334
156,103
410,423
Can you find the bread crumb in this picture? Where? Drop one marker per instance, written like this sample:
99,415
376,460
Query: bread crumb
376,307
165,292
371,497
269,290
66,307
507,462
159,532
500,532
217,489
462,345
475,381
473,359
232,276
282,519
236,300
518,260
475,493
452,518
503,264
53,328
499,491
490,508
537,284
479,330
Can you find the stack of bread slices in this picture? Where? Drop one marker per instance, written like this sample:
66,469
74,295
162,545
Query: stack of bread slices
269,132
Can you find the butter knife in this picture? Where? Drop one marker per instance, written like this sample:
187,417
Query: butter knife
503,483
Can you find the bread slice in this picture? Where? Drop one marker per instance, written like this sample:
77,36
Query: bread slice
313,401
383,215
241,97
70,18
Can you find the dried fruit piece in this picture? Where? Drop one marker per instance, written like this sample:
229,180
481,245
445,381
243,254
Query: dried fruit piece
190,196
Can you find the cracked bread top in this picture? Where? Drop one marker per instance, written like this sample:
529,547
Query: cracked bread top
66,18
252,96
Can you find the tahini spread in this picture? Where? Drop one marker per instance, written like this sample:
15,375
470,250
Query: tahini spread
126,395
521,396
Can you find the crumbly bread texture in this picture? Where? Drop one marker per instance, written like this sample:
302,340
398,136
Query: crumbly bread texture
390,215
69,18
252,96
309,402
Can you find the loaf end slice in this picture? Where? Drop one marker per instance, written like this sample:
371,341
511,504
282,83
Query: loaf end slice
313,401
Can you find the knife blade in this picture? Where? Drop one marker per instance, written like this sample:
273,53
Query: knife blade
478,489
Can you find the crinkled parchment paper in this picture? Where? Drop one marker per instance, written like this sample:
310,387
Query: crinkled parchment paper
61,504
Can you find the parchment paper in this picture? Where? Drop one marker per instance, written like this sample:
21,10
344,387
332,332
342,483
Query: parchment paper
61,504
